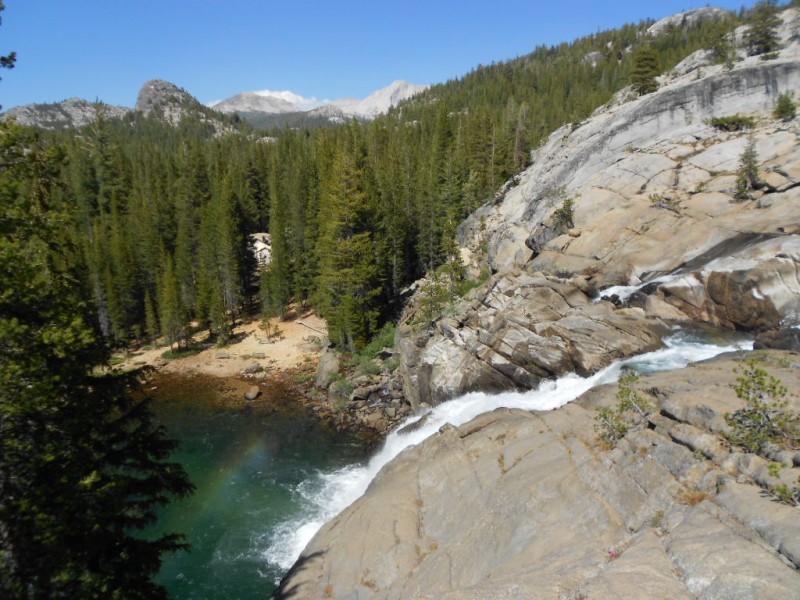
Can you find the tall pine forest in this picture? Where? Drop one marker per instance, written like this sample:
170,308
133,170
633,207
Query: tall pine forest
356,212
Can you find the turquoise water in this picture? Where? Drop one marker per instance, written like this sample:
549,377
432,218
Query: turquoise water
266,483
247,467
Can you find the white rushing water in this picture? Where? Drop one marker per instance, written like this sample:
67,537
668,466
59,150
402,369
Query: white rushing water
624,292
324,496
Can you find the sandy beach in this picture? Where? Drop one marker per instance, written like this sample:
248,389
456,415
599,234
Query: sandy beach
293,344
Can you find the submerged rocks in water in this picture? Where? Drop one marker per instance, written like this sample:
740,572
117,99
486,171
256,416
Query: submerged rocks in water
252,393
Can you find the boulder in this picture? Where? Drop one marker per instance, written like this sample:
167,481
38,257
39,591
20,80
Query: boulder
252,392
787,338
327,367
523,329
755,287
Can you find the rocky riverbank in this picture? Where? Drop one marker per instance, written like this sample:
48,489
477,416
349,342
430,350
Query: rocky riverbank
517,504
624,227
643,194
290,361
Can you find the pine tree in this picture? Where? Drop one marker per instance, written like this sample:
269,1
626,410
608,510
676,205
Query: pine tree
645,70
82,466
762,37
7,61
785,108
172,313
348,286
747,176
722,44
151,319
276,279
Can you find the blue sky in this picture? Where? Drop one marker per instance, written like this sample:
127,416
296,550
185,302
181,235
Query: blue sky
106,49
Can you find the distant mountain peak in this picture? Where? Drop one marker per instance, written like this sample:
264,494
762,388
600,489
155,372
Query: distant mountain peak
158,94
267,102
73,112
379,101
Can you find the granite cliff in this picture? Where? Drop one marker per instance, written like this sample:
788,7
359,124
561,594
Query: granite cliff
520,504
652,186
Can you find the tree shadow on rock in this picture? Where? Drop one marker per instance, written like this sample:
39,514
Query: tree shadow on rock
285,591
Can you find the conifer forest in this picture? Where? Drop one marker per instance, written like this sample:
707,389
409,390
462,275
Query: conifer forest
128,230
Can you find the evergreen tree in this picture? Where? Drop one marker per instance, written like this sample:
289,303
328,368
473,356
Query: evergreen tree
747,176
221,270
151,320
785,108
645,70
349,286
276,279
82,465
172,313
762,36
722,44
7,61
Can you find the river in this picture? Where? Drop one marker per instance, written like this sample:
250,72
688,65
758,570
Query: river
249,467
267,483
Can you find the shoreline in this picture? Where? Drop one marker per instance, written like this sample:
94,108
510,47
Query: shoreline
280,371
292,345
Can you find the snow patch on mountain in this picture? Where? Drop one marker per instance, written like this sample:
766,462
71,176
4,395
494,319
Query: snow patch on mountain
379,102
266,101
281,102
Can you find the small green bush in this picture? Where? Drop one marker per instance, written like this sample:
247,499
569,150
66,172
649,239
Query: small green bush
658,519
789,495
785,109
465,286
748,177
733,123
342,388
563,217
765,419
629,398
611,424
383,339
774,469
181,353
368,367
658,201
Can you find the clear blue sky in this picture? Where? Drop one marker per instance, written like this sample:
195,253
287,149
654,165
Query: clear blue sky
106,49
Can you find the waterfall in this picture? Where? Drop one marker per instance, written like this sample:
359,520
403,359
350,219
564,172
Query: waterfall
624,292
324,495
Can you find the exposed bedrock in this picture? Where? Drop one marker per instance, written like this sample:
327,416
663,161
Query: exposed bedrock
528,505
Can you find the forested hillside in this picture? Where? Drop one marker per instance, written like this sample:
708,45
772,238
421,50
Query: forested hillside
356,212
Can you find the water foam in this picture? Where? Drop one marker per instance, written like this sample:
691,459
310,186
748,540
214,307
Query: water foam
624,292
327,494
